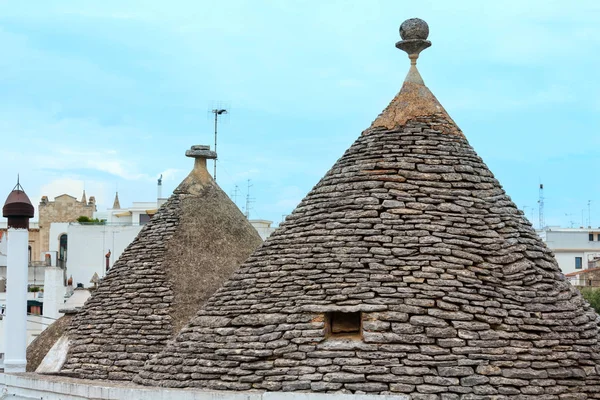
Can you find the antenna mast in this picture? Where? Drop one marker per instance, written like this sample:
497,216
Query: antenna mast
542,222
589,213
235,194
217,112
248,200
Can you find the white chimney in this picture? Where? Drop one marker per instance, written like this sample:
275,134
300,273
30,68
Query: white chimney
18,210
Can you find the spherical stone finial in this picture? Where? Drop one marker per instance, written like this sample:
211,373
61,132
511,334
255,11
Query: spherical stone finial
414,28
414,33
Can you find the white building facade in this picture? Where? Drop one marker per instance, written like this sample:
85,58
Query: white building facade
89,246
574,248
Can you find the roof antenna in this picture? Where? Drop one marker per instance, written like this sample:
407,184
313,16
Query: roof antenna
217,112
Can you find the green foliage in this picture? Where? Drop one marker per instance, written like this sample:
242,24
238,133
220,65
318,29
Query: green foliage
592,295
87,220
33,289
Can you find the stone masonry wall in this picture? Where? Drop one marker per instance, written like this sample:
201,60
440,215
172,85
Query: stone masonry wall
63,209
460,299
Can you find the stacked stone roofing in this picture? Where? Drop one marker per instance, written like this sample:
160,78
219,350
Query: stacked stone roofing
187,250
459,298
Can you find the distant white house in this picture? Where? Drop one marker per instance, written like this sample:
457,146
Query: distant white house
93,248
574,248
263,227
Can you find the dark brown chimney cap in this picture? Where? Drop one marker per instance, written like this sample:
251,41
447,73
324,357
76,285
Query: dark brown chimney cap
17,204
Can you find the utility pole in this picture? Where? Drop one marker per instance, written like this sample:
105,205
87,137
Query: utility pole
217,112
541,221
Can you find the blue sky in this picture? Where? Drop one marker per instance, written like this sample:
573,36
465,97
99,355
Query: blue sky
110,94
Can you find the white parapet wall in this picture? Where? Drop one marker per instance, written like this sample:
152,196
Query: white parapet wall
54,292
32,386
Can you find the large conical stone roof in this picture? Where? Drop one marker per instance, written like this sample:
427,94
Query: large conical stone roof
187,250
407,269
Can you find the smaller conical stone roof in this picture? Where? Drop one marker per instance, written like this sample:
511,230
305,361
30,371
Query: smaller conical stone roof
407,269
188,249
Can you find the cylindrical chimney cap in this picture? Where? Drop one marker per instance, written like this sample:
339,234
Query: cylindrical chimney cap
18,205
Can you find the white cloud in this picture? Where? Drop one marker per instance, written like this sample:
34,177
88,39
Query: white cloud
171,174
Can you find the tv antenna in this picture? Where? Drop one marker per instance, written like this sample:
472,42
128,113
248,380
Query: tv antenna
571,222
234,195
248,200
217,111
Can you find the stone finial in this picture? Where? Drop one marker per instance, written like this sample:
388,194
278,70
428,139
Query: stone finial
414,33
201,151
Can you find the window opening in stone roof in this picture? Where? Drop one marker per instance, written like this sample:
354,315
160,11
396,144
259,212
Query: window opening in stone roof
343,324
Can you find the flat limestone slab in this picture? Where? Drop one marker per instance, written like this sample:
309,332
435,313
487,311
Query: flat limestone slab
56,357
34,386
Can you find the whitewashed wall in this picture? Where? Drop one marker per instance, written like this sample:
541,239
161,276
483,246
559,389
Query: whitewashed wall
57,229
87,245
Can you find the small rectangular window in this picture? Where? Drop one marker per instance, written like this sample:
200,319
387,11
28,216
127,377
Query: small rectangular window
343,324
578,262
598,237
591,237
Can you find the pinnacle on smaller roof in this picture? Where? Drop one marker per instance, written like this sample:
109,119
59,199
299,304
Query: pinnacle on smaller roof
201,153
83,198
